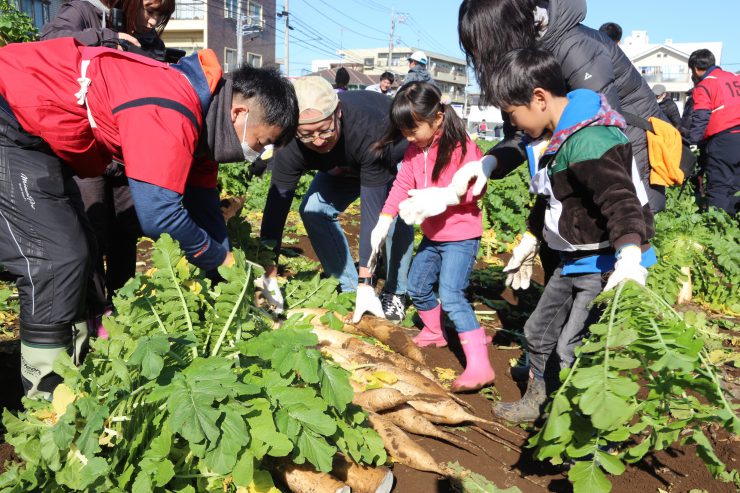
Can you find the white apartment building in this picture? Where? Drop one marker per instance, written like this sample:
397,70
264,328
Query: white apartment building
666,63
450,73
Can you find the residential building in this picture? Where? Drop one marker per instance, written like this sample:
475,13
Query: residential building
450,73
666,63
199,24
40,11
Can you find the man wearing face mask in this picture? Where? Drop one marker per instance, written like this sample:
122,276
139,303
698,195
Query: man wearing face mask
66,110
335,136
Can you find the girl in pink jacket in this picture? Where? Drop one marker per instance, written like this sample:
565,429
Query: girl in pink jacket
439,147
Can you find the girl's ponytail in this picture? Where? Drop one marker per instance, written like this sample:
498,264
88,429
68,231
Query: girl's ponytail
453,134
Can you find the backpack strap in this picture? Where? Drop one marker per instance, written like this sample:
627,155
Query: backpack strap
637,121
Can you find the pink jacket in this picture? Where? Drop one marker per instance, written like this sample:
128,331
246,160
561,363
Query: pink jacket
458,222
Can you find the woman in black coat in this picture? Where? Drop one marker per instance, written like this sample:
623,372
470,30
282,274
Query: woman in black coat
590,60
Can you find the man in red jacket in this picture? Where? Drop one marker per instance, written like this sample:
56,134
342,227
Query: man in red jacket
715,121
68,109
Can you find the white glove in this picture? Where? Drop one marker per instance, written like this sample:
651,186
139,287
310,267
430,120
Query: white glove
367,301
426,202
271,293
377,238
474,170
627,267
521,264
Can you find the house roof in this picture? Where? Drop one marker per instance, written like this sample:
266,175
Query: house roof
683,50
355,77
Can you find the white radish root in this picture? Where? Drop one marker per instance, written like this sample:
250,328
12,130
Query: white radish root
362,479
403,449
304,479
377,400
391,335
450,413
409,419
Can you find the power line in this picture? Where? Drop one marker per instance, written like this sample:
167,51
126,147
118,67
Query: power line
352,18
343,26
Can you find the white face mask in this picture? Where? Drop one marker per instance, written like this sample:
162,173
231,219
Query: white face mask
249,154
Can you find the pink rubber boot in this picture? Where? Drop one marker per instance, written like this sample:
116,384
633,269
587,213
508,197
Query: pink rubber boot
478,372
432,333
101,332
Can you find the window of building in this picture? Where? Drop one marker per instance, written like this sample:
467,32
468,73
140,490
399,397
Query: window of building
38,10
230,8
369,62
255,14
230,62
185,10
254,60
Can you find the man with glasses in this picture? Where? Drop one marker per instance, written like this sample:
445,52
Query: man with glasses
335,137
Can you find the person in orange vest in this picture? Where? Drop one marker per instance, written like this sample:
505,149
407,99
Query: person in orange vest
67,109
715,123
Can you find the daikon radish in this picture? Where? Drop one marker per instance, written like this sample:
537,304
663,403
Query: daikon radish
339,339
377,400
450,413
333,338
354,344
392,335
425,384
685,293
403,449
408,419
304,479
449,410
362,479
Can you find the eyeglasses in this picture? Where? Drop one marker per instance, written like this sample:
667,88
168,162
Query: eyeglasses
325,135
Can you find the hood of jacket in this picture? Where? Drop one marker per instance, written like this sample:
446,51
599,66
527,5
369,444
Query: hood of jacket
99,6
421,73
585,109
562,16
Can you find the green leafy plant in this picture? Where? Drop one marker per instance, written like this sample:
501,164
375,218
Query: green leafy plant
9,309
702,243
15,26
506,205
193,391
641,382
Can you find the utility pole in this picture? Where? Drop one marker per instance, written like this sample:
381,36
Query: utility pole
393,33
239,34
287,40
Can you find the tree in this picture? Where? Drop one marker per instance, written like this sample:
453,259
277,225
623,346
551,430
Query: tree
15,26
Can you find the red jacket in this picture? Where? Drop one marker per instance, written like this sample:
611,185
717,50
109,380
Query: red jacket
719,92
147,114
458,222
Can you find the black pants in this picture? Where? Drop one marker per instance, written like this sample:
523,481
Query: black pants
45,241
110,210
723,170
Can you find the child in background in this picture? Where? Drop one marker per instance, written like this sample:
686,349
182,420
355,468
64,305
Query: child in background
439,147
591,208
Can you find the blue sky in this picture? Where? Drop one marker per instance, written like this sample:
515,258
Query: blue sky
322,26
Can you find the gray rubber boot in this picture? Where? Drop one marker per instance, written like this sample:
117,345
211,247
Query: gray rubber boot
528,408
41,344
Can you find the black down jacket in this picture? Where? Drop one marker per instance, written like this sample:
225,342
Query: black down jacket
590,60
